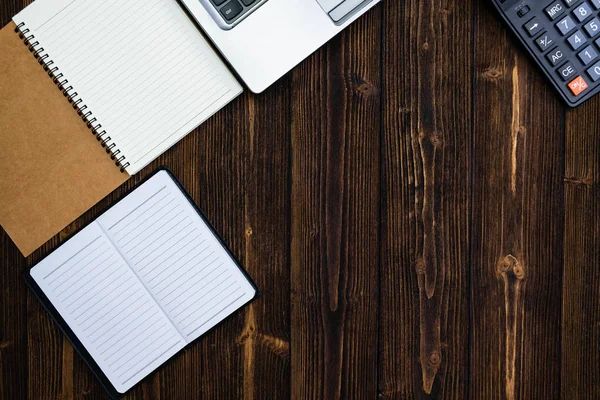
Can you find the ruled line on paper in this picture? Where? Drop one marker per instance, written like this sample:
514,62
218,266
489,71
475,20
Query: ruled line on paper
175,226
216,287
158,265
183,289
172,273
150,363
145,229
198,291
146,220
70,258
74,265
216,314
132,211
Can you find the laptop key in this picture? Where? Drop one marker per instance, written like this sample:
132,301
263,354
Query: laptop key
248,3
231,10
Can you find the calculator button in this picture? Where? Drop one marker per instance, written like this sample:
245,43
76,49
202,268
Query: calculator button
577,40
566,25
544,42
555,10
593,27
521,13
556,56
570,3
594,72
588,55
582,12
578,86
567,71
596,4
534,27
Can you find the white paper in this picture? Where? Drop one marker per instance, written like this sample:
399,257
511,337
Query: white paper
141,67
142,281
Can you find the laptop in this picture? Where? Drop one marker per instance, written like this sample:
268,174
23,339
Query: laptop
264,39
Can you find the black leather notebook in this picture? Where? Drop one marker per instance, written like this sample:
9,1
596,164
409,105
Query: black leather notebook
141,283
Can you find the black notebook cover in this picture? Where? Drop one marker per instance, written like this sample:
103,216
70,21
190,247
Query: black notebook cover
66,330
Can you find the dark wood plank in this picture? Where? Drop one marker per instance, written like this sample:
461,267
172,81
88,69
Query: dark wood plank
13,294
13,321
425,210
266,335
335,197
581,279
517,221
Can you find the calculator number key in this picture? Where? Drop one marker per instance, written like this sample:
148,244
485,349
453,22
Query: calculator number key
582,12
555,10
566,25
577,40
593,27
544,42
556,56
596,4
570,3
578,86
594,72
588,55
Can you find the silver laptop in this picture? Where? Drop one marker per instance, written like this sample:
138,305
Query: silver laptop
264,39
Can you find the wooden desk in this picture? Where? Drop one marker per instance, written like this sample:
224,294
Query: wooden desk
421,212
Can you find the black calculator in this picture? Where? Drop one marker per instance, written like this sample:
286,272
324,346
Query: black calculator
564,38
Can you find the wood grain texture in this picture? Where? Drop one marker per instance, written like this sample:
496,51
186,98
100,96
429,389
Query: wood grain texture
425,210
419,209
581,276
517,247
335,197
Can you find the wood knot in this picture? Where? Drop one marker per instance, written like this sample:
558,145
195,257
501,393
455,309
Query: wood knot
425,46
420,266
4,345
364,87
249,231
511,264
249,333
492,74
435,359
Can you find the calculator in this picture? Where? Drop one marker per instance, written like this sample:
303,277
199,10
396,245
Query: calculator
563,36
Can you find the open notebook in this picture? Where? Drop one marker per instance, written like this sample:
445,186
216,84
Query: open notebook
140,283
137,76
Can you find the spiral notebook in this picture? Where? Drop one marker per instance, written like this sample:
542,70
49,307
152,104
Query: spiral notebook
139,284
90,93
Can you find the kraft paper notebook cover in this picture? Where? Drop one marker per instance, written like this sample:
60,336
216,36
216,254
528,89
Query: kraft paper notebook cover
90,93
142,282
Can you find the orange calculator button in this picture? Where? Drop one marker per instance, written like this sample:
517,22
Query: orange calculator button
578,85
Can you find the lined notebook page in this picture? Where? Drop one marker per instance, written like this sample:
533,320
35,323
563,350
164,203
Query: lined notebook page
107,307
177,257
140,66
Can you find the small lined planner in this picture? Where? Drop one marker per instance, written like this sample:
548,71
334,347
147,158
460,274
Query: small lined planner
141,283
139,72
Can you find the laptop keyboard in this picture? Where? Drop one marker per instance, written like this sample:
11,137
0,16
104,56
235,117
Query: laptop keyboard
234,10
231,12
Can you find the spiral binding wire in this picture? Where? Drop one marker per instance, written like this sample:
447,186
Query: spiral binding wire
63,85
